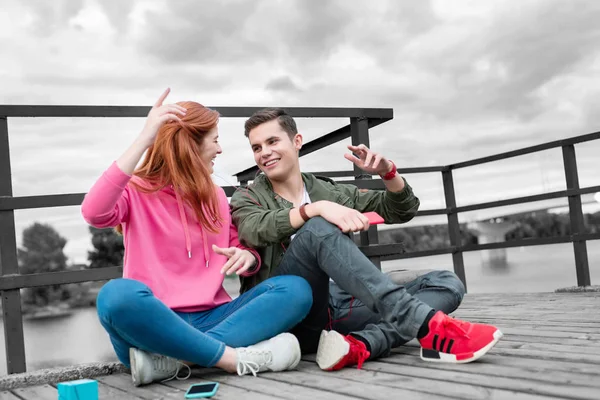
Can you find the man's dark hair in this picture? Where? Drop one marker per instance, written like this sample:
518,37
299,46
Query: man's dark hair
286,122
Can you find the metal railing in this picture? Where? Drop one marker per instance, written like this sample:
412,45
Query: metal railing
360,121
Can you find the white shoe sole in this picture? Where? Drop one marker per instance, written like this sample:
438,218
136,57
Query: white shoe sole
332,348
296,361
451,358
297,351
133,362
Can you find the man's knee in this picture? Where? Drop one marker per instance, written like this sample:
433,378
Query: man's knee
319,226
447,279
312,233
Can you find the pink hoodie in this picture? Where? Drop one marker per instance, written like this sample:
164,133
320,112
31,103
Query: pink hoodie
165,246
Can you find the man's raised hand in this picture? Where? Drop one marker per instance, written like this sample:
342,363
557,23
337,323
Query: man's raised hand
368,160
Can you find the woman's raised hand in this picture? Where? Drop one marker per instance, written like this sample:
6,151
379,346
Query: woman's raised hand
158,116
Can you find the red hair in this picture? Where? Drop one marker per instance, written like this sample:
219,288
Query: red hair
175,159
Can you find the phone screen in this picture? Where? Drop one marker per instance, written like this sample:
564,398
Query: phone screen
202,388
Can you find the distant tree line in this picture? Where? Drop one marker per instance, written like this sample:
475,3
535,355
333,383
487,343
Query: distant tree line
531,225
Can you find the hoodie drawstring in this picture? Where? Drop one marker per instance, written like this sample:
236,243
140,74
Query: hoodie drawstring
188,241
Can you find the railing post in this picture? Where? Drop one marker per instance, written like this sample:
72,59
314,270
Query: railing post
453,226
11,299
359,128
576,214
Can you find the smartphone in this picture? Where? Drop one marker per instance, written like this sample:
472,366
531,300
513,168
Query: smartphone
374,218
202,390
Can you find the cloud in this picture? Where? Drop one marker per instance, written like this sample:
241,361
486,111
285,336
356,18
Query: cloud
263,32
118,13
282,84
48,17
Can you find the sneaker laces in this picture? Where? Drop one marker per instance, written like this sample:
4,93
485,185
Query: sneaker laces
358,352
456,326
164,364
244,366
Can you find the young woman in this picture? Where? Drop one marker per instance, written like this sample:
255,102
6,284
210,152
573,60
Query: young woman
170,308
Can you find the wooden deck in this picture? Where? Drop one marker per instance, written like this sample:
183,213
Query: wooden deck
551,349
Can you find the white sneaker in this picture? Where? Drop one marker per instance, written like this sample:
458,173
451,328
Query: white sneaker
148,367
279,353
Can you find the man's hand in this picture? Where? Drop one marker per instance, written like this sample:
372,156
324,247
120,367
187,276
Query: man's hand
368,160
239,260
347,219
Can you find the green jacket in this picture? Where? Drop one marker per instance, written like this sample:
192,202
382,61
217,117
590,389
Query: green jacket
263,221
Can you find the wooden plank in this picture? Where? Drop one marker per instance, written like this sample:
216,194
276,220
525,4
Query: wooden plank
548,334
545,347
106,392
285,390
499,321
551,340
584,318
523,387
5,395
332,384
227,391
527,325
545,355
538,320
569,313
420,380
535,370
542,304
44,392
538,311
541,298
534,304
154,391
581,369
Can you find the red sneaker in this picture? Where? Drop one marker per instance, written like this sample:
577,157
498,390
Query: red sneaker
336,351
455,341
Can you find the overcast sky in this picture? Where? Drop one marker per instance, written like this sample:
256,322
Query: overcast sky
465,79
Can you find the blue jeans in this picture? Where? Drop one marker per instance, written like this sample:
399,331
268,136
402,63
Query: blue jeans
319,251
134,317
441,290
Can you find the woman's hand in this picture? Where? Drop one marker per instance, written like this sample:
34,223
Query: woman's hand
239,260
158,116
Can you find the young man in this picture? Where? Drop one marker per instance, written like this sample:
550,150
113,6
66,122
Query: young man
299,224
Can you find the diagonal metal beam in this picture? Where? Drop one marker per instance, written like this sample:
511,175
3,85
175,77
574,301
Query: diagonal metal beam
314,145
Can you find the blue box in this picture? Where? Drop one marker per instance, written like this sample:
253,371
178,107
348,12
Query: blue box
82,389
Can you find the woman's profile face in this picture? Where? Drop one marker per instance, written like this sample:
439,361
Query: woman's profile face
210,148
